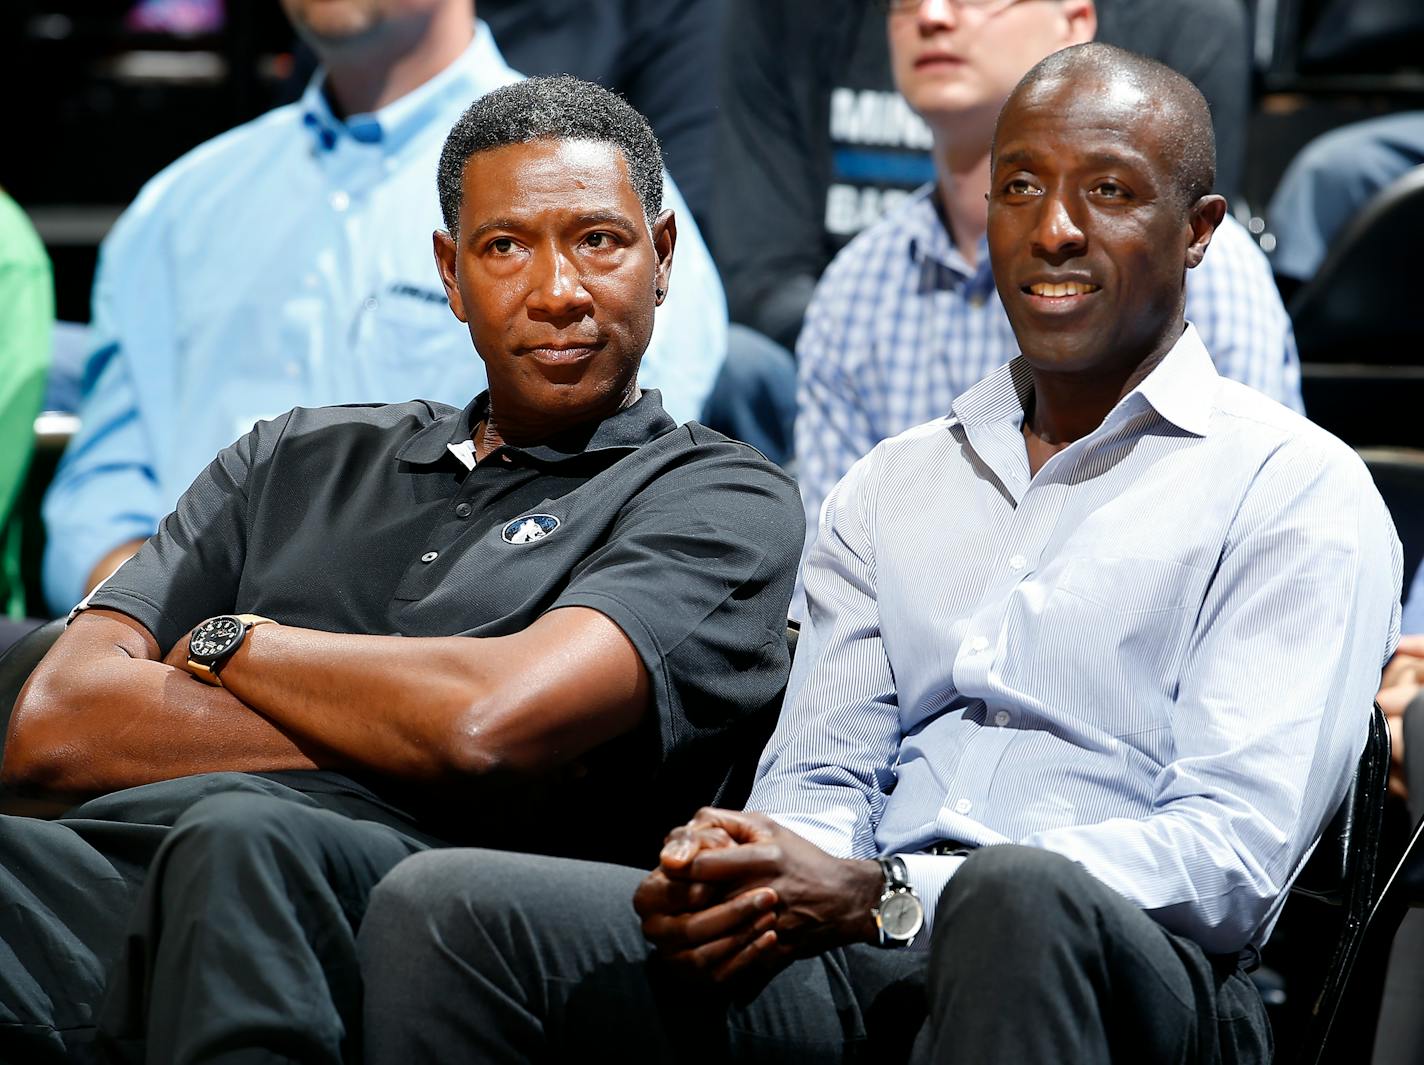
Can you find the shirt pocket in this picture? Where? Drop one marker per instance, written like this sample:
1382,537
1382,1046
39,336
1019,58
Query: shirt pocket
1110,640
416,347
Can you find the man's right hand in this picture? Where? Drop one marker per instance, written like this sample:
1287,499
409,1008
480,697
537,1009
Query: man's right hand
737,892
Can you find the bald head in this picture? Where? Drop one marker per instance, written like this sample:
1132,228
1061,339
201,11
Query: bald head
1181,117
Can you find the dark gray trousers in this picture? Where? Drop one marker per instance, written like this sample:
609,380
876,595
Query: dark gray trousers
479,956
210,918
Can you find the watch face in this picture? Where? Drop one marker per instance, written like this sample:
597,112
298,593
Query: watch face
214,638
901,915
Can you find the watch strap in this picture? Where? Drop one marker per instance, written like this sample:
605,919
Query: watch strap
208,672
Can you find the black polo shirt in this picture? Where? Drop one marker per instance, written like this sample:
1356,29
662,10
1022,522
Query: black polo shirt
361,519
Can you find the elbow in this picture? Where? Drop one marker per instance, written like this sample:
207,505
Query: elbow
35,754
482,744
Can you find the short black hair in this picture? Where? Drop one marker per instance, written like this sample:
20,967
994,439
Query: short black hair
561,107
1187,117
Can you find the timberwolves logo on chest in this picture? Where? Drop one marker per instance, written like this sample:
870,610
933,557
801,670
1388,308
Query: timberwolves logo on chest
529,528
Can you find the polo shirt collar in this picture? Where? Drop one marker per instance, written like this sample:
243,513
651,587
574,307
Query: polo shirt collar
627,430
479,69
1181,389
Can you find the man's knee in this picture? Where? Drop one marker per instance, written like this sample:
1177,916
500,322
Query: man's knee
1013,892
427,889
232,825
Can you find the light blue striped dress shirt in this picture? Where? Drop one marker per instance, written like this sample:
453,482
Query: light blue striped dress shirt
1156,656
900,325
288,263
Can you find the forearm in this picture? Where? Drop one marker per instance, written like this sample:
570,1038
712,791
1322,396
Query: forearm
121,721
445,708
389,702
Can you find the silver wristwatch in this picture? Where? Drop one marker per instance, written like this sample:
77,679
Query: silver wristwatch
898,915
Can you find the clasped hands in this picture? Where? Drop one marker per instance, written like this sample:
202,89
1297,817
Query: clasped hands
735,895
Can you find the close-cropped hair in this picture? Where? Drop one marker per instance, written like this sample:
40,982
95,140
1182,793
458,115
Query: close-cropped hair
1183,109
560,107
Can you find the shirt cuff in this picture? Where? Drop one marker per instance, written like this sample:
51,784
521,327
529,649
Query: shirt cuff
929,876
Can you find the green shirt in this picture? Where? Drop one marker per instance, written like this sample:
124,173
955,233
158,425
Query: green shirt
26,318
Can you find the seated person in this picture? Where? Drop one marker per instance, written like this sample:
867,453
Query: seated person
906,317
815,144
286,264
26,316
1327,184
480,619
1086,670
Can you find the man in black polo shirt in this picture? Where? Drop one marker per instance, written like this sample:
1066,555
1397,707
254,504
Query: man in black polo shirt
370,630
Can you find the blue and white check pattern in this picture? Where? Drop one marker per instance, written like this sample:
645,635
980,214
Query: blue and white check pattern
1156,656
900,325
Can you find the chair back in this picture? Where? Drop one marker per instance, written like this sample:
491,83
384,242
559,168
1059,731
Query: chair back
1344,872
1362,304
1358,328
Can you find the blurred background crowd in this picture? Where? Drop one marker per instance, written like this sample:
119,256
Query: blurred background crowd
163,284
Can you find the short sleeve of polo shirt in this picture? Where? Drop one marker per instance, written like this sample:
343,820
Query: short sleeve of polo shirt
190,568
697,572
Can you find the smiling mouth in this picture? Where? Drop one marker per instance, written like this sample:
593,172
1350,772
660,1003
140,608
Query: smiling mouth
1060,290
563,352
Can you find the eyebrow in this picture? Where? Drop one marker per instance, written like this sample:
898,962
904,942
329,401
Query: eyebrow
612,219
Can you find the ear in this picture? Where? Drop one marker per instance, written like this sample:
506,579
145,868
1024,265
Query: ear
1082,18
1203,218
446,256
664,241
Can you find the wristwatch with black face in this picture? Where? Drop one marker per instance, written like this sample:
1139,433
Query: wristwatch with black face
213,642
898,915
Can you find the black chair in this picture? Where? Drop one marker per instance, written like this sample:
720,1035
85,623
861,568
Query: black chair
1358,327
1344,873
1399,475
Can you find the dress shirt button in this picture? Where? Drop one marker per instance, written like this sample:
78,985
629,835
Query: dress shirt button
979,643
963,806
1018,562
1002,718
372,303
340,200
463,510
430,556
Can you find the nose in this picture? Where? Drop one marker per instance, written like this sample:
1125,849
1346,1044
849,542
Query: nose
557,293
935,15
1056,236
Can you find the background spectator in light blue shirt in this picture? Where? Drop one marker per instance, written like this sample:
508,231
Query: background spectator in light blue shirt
288,263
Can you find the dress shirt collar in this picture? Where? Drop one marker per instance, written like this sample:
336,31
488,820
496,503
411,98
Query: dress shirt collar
627,430
479,69
1181,389
931,247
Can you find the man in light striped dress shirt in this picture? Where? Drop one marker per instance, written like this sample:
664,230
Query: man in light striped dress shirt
1086,669
906,318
